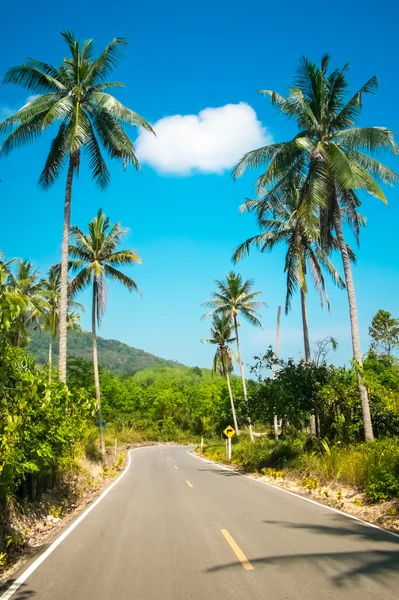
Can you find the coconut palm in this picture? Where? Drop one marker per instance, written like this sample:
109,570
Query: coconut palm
294,225
76,94
221,331
50,320
235,298
96,257
334,157
27,281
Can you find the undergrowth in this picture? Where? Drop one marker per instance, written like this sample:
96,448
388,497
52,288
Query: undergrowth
372,468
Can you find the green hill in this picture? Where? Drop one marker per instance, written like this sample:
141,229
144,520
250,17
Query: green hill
121,359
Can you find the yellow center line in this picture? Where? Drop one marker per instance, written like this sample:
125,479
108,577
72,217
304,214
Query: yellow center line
237,550
189,483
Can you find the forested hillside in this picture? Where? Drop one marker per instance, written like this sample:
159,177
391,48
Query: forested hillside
121,359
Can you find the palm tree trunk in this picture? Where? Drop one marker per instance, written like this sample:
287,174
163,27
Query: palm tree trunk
233,410
275,417
305,326
50,358
95,369
244,384
350,288
64,272
308,357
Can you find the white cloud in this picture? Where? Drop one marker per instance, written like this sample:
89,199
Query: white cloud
6,111
210,142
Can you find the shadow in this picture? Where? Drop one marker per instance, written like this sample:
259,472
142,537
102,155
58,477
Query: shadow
379,565
222,472
352,528
338,566
21,593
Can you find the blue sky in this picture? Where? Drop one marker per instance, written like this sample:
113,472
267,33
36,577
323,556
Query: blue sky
183,58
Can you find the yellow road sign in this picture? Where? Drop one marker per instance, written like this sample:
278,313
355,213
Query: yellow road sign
229,431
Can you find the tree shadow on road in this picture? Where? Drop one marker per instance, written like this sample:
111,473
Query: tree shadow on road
380,566
378,563
21,593
223,472
347,527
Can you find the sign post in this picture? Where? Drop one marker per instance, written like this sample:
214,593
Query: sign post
229,432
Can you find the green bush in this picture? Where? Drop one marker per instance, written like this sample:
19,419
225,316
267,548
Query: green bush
382,484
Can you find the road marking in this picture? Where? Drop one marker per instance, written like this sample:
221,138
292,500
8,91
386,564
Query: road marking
167,458
176,467
189,483
276,487
24,576
237,550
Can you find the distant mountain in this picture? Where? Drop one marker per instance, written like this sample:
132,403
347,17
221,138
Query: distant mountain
121,359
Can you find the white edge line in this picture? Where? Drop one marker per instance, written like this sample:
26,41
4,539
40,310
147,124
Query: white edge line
276,487
24,576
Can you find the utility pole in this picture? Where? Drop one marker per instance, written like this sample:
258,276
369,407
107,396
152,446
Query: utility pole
275,420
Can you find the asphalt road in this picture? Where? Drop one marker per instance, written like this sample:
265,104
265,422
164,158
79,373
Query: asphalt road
178,528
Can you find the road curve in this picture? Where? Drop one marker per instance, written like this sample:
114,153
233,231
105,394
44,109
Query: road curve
177,528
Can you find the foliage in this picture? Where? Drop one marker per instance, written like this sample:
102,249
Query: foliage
96,257
222,336
384,333
300,389
76,94
373,468
40,424
235,297
296,225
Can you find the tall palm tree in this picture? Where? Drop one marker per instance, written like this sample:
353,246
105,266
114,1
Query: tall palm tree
96,257
234,297
335,159
51,317
221,331
76,95
293,224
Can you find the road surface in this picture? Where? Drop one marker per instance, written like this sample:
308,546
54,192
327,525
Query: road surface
178,528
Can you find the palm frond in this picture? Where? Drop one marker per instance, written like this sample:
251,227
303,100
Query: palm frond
97,164
59,151
124,257
108,60
33,79
120,277
370,138
120,112
81,281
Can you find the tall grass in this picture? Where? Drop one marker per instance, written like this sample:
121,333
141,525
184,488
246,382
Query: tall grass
373,468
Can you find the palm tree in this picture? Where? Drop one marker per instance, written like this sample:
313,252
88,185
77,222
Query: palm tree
95,256
51,317
234,297
335,159
221,331
293,224
28,283
77,95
